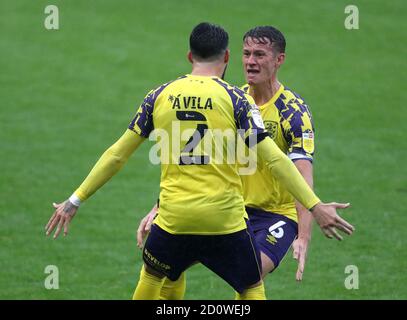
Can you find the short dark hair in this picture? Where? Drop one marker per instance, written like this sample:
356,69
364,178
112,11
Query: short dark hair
262,33
208,40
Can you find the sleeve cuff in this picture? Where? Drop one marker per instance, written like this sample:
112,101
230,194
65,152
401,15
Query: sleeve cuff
74,199
313,204
299,156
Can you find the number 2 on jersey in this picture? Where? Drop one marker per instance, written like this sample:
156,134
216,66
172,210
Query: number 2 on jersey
194,139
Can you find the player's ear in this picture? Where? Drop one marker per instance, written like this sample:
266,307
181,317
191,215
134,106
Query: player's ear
227,55
280,59
189,56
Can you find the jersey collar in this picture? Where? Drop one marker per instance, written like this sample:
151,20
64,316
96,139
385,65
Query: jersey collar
273,98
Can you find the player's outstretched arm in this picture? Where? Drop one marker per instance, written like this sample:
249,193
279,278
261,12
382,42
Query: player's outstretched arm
286,172
300,245
145,226
107,166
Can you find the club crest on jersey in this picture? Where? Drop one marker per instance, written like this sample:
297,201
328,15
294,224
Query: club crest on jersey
272,128
308,141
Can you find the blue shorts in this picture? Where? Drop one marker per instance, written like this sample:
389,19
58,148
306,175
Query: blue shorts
274,233
233,257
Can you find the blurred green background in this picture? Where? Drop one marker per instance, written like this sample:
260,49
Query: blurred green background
66,95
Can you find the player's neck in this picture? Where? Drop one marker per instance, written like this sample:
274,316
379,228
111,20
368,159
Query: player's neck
263,92
207,69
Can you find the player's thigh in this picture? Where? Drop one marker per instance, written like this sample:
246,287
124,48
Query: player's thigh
274,236
267,265
234,258
167,254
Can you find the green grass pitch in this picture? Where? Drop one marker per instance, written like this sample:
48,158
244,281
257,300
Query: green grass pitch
66,95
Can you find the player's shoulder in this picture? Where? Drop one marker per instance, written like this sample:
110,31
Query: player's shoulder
237,94
291,95
290,102
245,89
228,86
155,92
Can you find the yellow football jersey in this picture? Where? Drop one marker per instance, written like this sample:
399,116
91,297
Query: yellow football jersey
289,122
197,195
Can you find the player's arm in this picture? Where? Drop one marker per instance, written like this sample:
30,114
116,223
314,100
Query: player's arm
248,118
300,245
286,172
109,164
298,129
106,167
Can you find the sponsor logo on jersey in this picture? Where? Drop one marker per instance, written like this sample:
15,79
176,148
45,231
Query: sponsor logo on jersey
257,116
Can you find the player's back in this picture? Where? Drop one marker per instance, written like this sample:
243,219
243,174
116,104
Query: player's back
198,194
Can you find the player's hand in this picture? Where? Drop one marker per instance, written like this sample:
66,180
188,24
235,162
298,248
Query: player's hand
328,220
145,226
300,248
63,214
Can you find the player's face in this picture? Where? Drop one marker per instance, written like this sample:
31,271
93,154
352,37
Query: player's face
259,61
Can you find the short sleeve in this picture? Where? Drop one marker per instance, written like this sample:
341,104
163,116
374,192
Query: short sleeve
299,132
